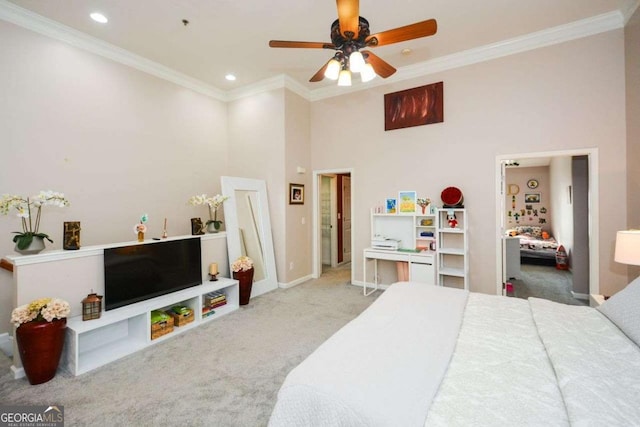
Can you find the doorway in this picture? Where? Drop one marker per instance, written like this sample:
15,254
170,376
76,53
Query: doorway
571,188
333,223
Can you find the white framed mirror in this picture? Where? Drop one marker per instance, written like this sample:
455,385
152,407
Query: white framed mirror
248,226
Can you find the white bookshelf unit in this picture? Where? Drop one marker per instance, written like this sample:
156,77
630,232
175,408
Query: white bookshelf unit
453,249
126,330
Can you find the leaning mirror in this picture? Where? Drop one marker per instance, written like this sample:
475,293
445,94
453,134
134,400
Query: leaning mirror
249,229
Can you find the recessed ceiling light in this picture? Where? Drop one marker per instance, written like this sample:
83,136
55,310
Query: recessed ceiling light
230,77
99,17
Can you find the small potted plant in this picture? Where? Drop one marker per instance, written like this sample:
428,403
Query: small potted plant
30,240
213,224
40,336
243,272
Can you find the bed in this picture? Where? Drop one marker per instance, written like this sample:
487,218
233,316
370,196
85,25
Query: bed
424,355
534,248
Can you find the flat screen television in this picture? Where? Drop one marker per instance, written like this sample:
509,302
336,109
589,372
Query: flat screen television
138,272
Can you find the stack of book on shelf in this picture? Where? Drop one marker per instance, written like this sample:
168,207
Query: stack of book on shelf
211,301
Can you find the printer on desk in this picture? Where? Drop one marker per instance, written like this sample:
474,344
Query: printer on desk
381,242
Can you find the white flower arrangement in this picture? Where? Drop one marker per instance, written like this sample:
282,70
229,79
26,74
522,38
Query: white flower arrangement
243,263
212,202
24,207
40,310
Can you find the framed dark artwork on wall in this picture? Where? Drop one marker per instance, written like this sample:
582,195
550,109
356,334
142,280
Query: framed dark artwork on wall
296,194
414,107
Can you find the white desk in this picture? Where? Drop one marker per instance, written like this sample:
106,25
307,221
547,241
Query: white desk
421,265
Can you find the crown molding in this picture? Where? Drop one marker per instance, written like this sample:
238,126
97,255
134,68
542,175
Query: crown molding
551,36
277,82
629,9
560,34
24,18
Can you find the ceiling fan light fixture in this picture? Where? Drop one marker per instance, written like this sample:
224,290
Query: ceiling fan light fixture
333,69
345,78
356,62
367,73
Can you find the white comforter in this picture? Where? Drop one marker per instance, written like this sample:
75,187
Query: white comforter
512,362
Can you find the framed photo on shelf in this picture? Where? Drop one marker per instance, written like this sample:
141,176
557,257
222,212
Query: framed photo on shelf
532,198
391,206
407,202
296,194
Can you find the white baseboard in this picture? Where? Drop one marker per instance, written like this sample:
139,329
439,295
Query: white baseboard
295,282
580,296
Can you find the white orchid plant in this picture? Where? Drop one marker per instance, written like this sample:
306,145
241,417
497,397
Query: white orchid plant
25,207
40,310
213,203
243,263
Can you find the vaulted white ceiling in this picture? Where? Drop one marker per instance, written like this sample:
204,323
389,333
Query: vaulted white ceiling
231,36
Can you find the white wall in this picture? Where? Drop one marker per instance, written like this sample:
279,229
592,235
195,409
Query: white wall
555,98
632,76
116,141
256,150
562,214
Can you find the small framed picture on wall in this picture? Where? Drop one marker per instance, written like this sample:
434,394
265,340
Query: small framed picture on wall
296,194
532,198
391,206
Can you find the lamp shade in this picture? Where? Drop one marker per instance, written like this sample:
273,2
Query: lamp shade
367,73
333,69
628,247
345,78
356,62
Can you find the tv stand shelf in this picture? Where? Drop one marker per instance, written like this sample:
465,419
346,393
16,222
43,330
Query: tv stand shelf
123,331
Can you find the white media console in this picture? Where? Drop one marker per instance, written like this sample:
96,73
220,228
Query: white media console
72,275
123,331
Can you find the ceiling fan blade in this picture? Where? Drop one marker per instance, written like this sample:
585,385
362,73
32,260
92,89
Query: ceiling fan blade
320,74
348,14
408,32
380,66
307,45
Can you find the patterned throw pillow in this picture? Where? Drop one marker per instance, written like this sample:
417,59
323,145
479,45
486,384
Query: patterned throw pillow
623,310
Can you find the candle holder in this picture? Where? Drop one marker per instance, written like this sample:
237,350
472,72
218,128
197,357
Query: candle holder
213,271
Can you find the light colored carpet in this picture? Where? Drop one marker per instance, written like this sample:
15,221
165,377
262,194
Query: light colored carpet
224,373
545,282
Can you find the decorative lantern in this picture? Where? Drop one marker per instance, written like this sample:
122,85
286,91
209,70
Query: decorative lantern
91,307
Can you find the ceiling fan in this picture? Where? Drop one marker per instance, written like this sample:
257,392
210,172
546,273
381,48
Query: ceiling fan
349,36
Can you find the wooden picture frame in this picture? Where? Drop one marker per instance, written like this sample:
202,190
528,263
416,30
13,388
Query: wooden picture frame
296,194
414,107
407,202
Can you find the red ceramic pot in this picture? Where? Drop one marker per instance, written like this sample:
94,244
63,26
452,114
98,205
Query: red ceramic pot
40,347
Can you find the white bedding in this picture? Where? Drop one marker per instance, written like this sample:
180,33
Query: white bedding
512,362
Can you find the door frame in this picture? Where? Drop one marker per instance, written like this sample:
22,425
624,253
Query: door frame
594,203
317,223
